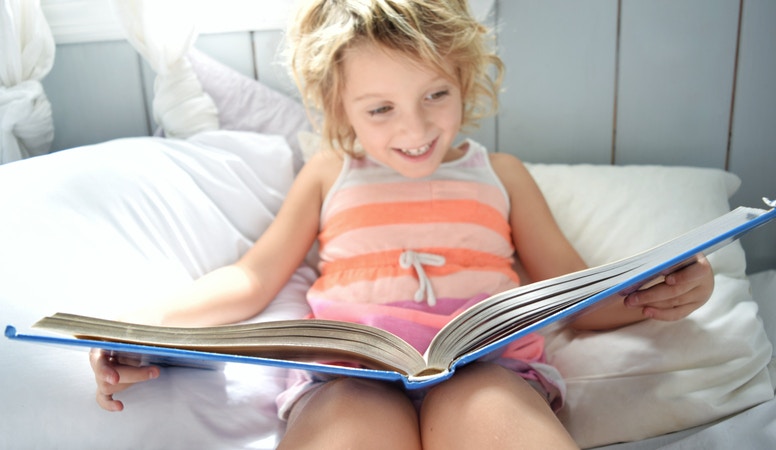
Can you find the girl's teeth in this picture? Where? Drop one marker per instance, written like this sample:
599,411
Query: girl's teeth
415,151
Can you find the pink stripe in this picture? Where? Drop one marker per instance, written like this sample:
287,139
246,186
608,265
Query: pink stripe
463,284
415,325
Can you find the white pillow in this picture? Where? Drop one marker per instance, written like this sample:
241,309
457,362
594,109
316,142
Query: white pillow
112,227
245,104
654,377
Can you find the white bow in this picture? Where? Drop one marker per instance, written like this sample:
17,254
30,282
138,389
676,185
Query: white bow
410,258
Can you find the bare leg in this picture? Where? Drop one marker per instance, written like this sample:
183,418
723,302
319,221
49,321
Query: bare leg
353,413
487,406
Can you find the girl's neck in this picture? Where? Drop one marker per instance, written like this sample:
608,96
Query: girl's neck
456,152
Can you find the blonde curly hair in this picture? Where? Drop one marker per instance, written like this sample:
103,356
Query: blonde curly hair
439,33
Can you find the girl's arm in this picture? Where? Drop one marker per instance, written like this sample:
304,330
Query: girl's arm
545,252
678,295
238,291
241,290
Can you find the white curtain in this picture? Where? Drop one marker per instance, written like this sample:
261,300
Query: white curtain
163,32
26,56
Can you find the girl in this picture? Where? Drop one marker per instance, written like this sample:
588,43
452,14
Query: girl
412,228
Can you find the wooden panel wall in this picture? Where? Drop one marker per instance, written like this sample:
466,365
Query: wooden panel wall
676,68
676,82
753,132
558,99
673,82
97,93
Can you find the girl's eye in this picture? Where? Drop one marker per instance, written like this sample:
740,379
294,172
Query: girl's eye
380,110
439,95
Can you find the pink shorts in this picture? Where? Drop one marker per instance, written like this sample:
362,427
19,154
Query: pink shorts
544,378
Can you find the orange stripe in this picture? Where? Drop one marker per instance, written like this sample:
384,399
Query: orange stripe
439,211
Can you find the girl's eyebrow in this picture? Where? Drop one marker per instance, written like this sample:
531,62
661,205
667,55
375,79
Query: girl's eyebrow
378,95
367,97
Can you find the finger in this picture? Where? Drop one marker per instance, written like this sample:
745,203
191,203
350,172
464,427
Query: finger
662,295
119,372
113,377
104,371
692,274
108,403
674,308
129,375
670,314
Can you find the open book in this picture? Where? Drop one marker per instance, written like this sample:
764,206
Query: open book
357,350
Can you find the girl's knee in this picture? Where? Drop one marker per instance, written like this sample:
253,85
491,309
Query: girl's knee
351,397
487,403
352,412
358,393
483,378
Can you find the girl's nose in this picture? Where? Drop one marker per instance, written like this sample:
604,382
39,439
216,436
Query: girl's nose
415,123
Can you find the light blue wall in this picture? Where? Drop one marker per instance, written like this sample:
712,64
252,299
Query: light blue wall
674,82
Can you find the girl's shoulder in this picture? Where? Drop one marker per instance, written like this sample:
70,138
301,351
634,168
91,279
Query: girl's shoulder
503,158
323,167
508,167
326,159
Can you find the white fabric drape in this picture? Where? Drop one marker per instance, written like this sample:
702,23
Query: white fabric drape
26,56
163,33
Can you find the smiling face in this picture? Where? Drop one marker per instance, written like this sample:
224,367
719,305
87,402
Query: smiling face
404,114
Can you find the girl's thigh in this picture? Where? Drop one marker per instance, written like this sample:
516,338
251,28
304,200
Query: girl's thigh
487,406
349,412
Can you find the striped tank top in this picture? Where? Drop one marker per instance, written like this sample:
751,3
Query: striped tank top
407,255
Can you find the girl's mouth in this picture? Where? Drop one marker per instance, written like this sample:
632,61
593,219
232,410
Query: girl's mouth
420,151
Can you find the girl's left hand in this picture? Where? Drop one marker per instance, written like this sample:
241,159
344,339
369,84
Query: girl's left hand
681,293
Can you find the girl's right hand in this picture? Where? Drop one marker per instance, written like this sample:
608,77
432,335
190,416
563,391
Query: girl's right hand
114,376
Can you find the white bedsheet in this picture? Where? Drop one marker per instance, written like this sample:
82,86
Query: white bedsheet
108,228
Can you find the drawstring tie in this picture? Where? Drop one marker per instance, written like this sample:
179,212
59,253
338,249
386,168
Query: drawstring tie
417,260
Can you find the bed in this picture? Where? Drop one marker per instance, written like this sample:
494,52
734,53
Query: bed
117,223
